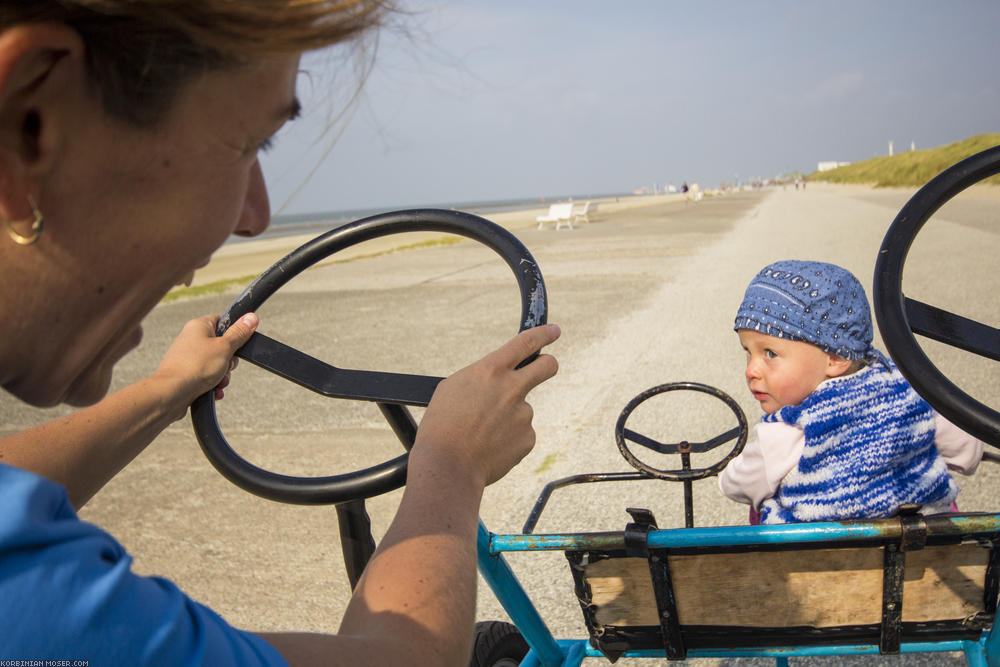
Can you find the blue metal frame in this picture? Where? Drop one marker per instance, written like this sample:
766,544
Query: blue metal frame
547,651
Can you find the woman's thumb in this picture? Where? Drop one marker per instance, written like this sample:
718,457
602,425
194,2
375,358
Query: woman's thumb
240,331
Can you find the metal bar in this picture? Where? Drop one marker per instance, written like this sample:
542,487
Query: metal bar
975,656
991,587
993,647
579,541
583,478
894,566
688,491
515,601
946,646
666,605
356,541
688,504
726,536
401,422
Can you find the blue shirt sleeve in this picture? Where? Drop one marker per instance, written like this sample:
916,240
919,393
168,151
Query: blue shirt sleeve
67,592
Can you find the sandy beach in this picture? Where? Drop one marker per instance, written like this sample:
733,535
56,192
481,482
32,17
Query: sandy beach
243,258
645,294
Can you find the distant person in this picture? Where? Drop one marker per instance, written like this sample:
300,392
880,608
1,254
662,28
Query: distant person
844,436
684,187
694,192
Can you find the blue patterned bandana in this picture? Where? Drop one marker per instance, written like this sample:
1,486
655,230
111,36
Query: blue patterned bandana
814,302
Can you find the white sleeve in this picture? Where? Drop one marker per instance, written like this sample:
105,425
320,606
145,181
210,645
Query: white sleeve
960,450
754,475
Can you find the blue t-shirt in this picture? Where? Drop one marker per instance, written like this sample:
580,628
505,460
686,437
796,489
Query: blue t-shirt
67,592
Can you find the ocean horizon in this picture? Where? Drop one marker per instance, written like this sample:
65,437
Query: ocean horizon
320,222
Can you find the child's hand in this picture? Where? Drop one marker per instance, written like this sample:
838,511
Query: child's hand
198,360
479,417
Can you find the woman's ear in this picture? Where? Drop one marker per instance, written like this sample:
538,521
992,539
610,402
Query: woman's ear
42,75
836,366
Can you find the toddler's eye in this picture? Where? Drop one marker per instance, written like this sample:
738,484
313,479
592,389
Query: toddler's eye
770,354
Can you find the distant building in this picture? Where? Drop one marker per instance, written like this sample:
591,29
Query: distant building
830,164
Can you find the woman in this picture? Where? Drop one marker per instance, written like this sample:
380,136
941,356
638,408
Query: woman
129,132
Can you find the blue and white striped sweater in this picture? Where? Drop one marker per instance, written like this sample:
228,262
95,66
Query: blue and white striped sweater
869,449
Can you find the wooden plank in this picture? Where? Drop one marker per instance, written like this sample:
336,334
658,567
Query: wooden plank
944,582
819,588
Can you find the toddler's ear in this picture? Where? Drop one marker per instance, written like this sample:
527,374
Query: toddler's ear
836,366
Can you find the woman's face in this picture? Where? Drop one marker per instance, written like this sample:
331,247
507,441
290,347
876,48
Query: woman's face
130,213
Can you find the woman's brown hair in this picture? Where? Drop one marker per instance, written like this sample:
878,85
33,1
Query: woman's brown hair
140,52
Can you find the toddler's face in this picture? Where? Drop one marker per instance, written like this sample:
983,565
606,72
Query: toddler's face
784,372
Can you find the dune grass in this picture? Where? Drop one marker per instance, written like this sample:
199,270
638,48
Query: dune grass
910,168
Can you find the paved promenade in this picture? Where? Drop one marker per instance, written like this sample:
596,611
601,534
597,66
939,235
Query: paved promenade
644,296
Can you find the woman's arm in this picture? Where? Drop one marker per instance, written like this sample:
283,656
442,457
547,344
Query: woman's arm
415,602
84,450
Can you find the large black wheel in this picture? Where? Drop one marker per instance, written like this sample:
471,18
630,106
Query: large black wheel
497,644
391,391
899,317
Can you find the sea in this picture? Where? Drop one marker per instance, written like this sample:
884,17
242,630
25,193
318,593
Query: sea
318,223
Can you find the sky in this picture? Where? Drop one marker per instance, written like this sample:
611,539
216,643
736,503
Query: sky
481,101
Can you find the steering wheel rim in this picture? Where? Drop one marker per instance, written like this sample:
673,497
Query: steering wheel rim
899,317
681,475
391,391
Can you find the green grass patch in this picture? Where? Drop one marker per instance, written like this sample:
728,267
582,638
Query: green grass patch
220,286
547,463
910,168
207,289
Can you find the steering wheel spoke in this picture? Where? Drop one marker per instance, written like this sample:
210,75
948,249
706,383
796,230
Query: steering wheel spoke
676,447
951,329
333,382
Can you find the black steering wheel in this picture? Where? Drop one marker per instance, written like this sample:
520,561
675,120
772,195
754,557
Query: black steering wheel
391,391
684,448
899,317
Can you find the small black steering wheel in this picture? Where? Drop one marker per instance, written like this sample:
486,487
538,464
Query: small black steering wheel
899,317
684,448
391,391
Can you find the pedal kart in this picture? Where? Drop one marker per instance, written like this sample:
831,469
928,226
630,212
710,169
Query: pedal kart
908,583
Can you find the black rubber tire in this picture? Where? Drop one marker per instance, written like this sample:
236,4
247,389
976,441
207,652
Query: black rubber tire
497,644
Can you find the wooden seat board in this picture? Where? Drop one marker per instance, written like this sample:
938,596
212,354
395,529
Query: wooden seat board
817,587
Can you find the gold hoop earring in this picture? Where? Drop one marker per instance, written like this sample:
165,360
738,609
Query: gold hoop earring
36,226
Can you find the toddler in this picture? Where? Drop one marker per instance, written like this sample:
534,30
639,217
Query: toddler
844,436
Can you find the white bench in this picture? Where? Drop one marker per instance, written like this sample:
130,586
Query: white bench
582,213
561,214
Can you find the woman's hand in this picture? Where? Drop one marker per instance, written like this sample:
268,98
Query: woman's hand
480,415
198,360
